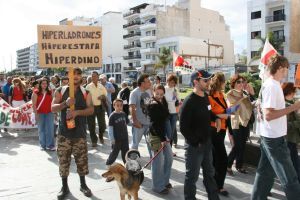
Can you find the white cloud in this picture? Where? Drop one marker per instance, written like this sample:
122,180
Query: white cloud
19,19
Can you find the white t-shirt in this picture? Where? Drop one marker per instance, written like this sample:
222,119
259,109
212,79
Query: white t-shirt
272,97
171,97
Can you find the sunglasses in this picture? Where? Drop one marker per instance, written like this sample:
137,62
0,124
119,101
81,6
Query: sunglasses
205,80
239,82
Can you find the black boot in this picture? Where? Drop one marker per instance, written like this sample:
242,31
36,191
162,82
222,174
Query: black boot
84,188
64,190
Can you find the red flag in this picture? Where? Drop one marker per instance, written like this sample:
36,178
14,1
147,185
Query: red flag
177,60
268,51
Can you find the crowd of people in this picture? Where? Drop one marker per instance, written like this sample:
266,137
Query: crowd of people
206,116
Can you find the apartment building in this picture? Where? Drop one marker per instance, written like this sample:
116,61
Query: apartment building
266,16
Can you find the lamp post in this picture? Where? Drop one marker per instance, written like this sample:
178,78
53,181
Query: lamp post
112,68
208,52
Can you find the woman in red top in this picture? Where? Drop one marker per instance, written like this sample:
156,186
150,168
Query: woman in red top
218,107
17,93
41,101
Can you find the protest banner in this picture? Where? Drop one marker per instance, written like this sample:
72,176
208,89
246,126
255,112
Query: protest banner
19,117
69,46
297,77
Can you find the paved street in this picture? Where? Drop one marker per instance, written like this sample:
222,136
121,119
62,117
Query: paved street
28,173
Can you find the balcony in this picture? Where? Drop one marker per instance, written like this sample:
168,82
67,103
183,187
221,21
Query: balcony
131,13
131,24
131,35
148,38
132,57
148,26
131,46
275,18
130,68
148,62
150,50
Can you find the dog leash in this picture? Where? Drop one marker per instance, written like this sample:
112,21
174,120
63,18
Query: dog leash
151,160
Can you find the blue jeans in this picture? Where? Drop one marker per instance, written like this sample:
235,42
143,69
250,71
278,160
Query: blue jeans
195,157
137,134
161,168
275,160
295,158
171,125
46,130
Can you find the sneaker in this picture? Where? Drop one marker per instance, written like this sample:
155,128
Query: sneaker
63,193
229,171
169,186
94,145
164,191
86,191
223,192
51,148
42,148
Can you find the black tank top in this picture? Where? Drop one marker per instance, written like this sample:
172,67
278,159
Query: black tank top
80,121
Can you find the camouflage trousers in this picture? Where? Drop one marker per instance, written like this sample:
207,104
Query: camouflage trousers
65,148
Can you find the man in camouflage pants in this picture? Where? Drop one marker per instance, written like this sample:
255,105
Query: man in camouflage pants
73,140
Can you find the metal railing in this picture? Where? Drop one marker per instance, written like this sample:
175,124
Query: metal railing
130,46
275,18
132,57
131,13
131,35
132,24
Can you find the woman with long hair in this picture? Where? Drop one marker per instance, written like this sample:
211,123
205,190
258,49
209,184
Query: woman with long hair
17,93
239,122
162,164
41,101
218,131
172,100
293,125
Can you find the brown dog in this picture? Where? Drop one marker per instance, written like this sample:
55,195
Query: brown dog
128,183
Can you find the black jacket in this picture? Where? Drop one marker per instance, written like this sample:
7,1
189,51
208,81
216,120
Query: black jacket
195,118
158,113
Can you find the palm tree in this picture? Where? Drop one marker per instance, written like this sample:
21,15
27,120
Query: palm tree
276,43
165,58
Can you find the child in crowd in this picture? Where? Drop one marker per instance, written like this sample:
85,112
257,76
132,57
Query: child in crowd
117,132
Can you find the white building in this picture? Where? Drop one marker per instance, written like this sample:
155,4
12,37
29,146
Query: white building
27,59
200,35
266,16
112,41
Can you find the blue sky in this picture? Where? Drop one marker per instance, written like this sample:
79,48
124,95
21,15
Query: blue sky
18,19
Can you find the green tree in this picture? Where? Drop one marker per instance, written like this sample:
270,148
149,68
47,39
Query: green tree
165,58
276,43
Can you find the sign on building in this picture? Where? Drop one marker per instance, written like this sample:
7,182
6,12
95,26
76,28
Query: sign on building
69,46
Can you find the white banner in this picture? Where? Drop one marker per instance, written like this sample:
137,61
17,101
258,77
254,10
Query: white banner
18,118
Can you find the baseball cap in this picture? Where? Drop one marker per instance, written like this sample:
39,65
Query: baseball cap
202,74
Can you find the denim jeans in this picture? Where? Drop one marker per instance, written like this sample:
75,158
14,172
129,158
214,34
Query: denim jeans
161,168
137,134
46,130
194,158
171,125
275,160
237,152
295,158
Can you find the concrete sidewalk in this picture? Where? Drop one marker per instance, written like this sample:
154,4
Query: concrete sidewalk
28,173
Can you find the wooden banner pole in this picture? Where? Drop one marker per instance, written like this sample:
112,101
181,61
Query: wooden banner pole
71,77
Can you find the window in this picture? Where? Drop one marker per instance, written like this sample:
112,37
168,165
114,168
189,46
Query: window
148,45
256,15
254,54
148,33
153,45
153,32
279,35
153,57
255,34
148,56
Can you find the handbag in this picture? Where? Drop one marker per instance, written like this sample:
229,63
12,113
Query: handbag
32,117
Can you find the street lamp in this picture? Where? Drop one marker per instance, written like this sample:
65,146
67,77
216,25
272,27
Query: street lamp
208,52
